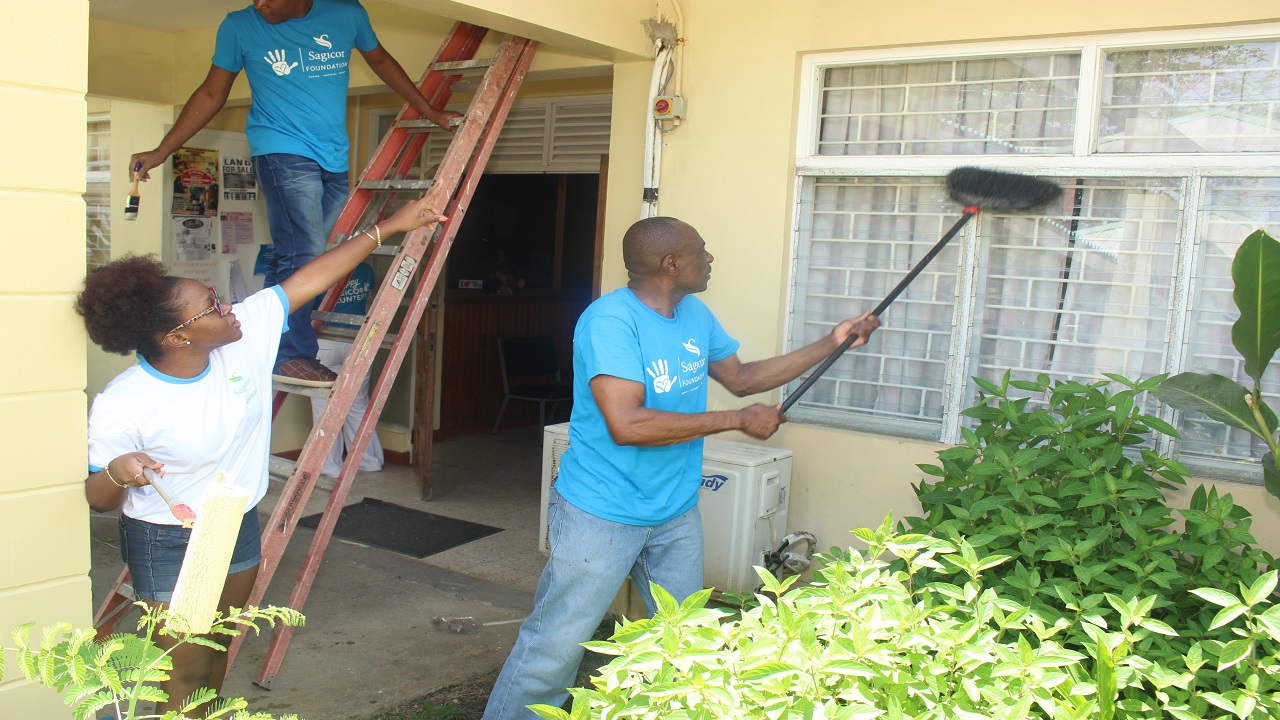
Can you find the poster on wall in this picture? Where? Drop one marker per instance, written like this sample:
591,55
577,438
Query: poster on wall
239,182
195,182
237,230
193,238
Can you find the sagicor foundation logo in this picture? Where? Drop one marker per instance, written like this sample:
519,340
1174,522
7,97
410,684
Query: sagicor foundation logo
323,41
662,382
278,62
692,348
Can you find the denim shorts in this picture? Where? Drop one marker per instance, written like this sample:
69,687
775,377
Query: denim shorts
154,553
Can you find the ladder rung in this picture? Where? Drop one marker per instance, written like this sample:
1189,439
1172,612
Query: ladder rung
335,317
280,468
292,389
396,184
425,125
419,125
462,65
329,332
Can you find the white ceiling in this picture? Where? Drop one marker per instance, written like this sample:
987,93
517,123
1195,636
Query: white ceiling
165,15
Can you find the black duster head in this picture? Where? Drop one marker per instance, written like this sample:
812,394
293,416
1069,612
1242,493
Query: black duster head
992,190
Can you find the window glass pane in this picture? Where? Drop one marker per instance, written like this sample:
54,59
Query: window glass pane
1233,208
1211,98
97,196
1082,290
983,106
860,237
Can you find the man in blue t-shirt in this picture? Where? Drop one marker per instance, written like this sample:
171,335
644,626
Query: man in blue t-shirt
625,501
296,55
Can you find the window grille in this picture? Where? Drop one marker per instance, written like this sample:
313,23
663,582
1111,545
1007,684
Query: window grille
97,196
1166,146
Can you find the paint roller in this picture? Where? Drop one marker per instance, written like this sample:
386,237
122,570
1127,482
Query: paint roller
204,568
977,189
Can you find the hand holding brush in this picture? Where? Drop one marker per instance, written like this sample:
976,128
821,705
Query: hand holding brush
133,198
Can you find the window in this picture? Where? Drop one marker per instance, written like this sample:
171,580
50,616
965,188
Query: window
97,196
558,135
1166,147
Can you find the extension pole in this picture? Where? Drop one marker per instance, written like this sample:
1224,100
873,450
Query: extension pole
830,360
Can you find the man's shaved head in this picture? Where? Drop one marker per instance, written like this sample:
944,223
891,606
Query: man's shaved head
648,241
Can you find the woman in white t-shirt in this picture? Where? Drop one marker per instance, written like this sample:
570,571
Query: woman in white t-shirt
197,404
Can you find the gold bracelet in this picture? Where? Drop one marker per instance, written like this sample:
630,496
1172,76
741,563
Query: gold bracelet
112,479
377,239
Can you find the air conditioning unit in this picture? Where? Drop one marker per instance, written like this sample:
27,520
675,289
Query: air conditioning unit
743,500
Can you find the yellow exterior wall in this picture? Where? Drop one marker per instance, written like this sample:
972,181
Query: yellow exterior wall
44,533
729,170
130,62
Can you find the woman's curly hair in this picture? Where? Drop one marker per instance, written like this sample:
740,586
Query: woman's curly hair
129,305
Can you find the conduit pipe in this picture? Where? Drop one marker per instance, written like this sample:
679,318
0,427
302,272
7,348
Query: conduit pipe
652,135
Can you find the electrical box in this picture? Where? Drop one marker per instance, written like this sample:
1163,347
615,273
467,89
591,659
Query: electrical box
743,501
669,107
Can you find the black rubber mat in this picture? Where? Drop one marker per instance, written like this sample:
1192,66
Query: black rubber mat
402,530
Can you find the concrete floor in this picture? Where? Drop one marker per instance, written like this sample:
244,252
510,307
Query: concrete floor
369,642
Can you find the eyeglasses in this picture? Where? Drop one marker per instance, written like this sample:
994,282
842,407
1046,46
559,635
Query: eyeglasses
216,307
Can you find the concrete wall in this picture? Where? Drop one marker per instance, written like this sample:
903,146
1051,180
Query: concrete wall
44,532
730,171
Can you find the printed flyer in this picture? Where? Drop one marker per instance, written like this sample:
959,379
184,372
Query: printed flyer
195,182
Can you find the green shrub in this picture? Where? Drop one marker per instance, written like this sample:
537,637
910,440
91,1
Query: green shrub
1062,483
872,638
1047,579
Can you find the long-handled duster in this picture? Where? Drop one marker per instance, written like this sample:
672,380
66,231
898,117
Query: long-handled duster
977,189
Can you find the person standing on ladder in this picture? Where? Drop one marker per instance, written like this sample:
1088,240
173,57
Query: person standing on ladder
626,499
296,55
332,354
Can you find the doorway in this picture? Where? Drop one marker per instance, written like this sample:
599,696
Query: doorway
523,265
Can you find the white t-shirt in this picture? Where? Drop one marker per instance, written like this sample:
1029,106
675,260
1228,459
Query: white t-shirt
216,422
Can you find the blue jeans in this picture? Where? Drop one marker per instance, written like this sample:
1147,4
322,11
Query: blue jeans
303,203
590,558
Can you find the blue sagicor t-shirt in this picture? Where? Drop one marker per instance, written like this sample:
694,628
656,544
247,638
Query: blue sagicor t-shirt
620,336
298,76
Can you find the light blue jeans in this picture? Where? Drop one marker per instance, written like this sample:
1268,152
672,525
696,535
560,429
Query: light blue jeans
303,203
590,558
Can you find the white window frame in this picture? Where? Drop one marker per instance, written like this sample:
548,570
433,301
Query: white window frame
1192,169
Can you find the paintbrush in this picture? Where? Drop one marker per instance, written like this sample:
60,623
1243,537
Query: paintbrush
132,200
180,510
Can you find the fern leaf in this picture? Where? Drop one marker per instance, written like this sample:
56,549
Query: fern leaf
89,707
225,706
198,698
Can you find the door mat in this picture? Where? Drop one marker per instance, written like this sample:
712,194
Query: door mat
402,530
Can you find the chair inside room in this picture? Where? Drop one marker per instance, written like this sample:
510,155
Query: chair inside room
530,372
